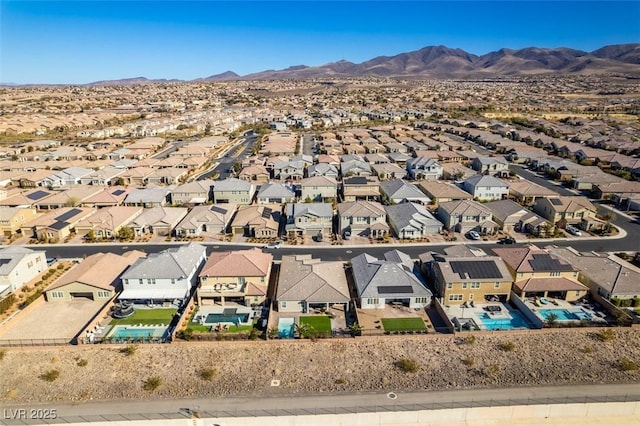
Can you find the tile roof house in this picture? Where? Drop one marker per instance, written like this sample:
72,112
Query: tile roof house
362,188
213,219
158,220
289,169
167,276
261,221
490,165
441,192
151,196
254,173
398,191
354,165
466,215
364,218
508,214
111,196
195,192
57,224
82,281
18,266
462,279
233,191
538,273
323,169
570,209
12,218
309,219
240,276
409,221
275,193
67,177
526,192
68,198
305,283
319,188
486,188
388,171
394,278
424,168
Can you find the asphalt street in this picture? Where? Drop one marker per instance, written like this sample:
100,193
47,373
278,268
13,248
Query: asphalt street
226,162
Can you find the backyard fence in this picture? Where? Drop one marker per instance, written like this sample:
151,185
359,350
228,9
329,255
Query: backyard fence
34,342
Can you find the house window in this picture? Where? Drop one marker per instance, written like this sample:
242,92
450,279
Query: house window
103,294
471,296
173,280
126,281
475,285
450,285
464,285
283,304
140,281
261,279
577,293
455,297
56,294
422,299
496,285
373,301
554,274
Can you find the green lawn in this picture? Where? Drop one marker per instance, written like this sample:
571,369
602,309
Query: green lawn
403,324
147,317
321,324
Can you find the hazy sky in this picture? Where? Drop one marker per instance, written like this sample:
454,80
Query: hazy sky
84,41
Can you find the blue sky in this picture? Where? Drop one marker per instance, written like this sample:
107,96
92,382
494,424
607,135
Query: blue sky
84,41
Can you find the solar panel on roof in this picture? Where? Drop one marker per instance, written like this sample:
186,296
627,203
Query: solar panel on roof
118,192
4,261
544,262
405,289
68,215
555,201
481,269
266,213
35,196
217,209
59,225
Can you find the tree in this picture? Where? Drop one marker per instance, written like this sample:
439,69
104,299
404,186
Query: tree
609,216
126,233
207,129
91,235
552,319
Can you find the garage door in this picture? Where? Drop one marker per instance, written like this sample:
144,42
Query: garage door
88,295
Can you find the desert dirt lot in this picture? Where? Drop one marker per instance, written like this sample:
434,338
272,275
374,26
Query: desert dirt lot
343,365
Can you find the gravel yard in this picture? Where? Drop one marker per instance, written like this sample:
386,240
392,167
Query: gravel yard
339,365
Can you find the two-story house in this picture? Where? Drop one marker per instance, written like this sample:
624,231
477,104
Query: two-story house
424,168
319,189
309,219
486,188
233,191
466,215
363,218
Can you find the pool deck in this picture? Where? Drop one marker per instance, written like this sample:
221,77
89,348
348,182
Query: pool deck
535,305
475,313
205,310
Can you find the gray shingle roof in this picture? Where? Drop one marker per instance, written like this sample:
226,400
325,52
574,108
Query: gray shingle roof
172,263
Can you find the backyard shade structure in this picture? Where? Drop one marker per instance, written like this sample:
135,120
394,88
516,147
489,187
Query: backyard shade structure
391,279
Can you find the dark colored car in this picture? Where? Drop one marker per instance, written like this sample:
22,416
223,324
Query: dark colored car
507,240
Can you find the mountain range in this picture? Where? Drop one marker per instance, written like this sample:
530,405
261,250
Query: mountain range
441,62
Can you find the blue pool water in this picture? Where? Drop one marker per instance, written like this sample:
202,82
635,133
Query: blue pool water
233,318
286,328
516,321
123,332
564,314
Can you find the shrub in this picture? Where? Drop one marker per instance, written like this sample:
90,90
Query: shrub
50,376
60,266
408,365
2,354
7,303
552,319
606,335
469,362
186,334
82,363
208,373
491,370
129,350
627,365
587,349
470,339
340,381
508,346
152,383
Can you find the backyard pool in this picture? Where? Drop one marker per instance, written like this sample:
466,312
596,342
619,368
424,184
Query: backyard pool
226,317
286,328
517,320
565,314
127,332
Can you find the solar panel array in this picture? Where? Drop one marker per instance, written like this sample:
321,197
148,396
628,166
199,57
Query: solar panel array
266,213
4,261
403,289
544,262
555,201
35,196
481,269
118,192
68,215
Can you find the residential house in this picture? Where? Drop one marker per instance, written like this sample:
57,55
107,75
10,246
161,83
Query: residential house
67,198
361,188
151,196
363,218
82,281
26,199
354,165
66,177
305,284
240,276
392,279
389,171
323,169
158,220
195,192
508,214
441,192
486,188
319,188
272,193
462,279
213,219
261,221
466,215
398,191
309,219
289,169
424,168
165,277
108,197
18,266
107,222
456,171
57,224
12,219
491,165
103,177
255,173
526,193
538,273
409,221
233,191
565,210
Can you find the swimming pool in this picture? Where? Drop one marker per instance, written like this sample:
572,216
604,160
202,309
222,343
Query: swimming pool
232,318
517,320
286,328
125,332
565,314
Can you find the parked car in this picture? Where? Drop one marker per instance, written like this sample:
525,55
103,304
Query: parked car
274,245
473,235
573,230
507,240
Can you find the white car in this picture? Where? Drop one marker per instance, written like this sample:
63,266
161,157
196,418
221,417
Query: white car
473,235
573,231
275,245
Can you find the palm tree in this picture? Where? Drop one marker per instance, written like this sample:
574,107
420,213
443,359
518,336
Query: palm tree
609,216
